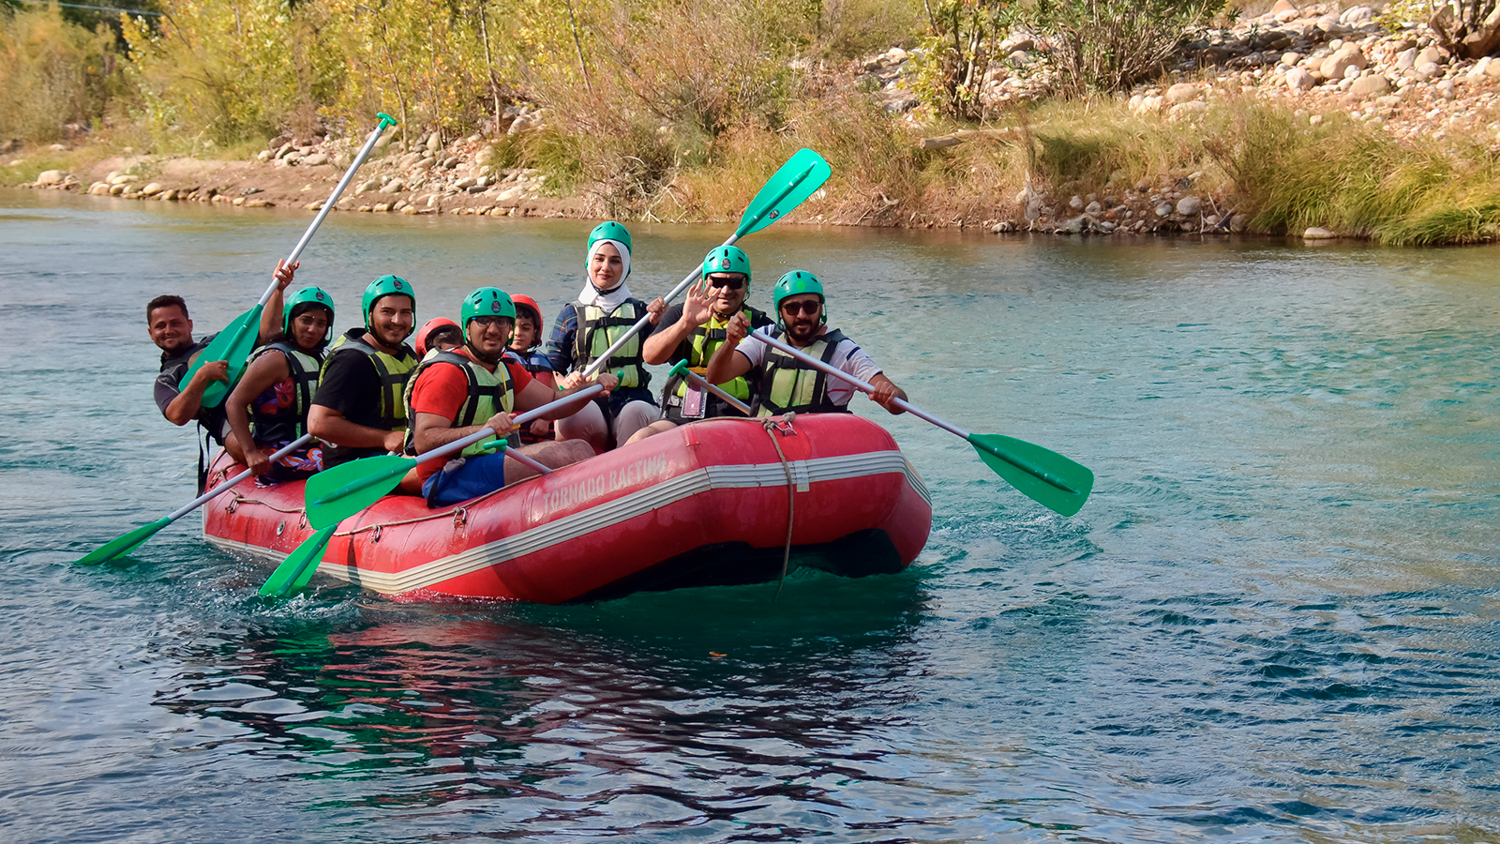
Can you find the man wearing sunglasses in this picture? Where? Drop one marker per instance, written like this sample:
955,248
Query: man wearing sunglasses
784,384
693,330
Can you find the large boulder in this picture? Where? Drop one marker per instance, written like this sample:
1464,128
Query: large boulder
1298,79
51,177
1338,64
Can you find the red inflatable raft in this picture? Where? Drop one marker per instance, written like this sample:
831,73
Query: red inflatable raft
704,504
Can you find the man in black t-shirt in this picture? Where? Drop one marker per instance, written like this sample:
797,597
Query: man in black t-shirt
359,408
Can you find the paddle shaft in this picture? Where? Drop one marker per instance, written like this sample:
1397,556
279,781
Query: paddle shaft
528,416
699,381
747,224
834,371
253,322
224,487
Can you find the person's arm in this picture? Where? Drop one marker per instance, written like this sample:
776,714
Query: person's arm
664,342
330,426
560,340
536,394
264,372
728,362
271,316
432,430
184,408
859,364
885,391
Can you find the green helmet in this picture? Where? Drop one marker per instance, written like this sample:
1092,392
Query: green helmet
727,259
794,283
386,285
610,231
486,301
313,295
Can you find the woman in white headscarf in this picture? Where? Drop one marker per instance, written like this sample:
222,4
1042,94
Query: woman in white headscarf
604,311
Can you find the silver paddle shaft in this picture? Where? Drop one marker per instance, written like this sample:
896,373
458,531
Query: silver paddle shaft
699,381
815,363
487,433
333,198
224,487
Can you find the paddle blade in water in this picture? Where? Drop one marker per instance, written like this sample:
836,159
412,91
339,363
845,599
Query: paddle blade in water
336,494
234,344
1044,476
802,174
298,567
123,545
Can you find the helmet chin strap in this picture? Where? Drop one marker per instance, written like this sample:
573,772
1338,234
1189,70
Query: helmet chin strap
481,356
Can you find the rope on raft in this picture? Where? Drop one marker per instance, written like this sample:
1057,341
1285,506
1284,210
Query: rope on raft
784,428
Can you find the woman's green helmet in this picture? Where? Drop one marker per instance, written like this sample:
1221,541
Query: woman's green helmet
307,295
486,301
610,231
794,283
727,259
386,285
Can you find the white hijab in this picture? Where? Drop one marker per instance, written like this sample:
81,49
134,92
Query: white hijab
614,297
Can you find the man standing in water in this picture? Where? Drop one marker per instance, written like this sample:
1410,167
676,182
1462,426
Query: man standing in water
358,410
785,384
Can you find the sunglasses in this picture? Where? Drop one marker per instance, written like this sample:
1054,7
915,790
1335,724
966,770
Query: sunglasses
794,308
731,283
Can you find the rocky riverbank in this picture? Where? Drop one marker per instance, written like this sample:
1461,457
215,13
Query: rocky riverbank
1317,61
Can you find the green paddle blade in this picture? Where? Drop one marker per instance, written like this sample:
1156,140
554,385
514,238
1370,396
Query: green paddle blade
802,174
123,545
336,494
298,567
1044,476
234,344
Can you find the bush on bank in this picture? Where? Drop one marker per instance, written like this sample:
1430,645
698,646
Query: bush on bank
670,110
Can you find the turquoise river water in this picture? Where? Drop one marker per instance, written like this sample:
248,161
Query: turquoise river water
1277,619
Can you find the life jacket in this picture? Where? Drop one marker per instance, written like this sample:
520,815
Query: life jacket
598,330
393,371
788,385
287,423
489,394
703,342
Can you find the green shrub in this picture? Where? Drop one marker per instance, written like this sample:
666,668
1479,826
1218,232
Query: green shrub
1109,45
963,35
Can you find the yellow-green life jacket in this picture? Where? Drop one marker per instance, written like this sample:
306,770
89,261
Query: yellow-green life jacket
599,329
393,371
787,385
489,394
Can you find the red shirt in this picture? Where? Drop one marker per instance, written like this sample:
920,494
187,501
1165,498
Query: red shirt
442,391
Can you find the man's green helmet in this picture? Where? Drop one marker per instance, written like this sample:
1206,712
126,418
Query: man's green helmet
794,283
610,231
727,259
306,296
486,301
386,285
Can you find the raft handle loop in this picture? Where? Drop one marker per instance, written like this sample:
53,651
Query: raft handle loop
375,534
460,517
233,505
784,428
